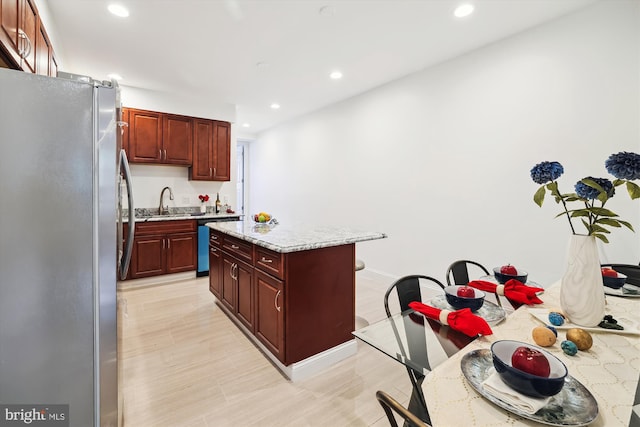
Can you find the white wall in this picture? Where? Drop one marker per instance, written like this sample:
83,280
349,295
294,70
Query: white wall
440,159
149,180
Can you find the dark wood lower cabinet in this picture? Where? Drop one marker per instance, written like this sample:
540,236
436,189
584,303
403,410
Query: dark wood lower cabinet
163,247
269,313
296,304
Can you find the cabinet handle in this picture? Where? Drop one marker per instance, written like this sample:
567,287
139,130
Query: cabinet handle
165,154
268,261
235,247
162,244
231,271
25,52
160,154
168,244
212,250
214,237
275,300
210,173
214,171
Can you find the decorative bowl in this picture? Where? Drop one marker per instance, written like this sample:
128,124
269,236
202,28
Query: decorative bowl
614,282
504,278
521,381
458,302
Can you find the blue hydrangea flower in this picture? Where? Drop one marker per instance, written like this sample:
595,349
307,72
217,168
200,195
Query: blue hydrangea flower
546,172
624,165
586,192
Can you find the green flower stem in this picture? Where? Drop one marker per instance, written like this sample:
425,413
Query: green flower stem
566,212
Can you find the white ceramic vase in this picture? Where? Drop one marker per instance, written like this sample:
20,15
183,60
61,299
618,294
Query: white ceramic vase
203,208
581,291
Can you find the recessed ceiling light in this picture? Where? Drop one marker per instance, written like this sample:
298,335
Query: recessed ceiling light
262,65
275,106
463,10
114,76
327,11
336,75
246,125
118,10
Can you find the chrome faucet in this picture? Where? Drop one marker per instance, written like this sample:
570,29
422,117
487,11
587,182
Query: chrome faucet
165,209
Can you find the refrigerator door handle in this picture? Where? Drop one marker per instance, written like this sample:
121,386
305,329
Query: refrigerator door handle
126,258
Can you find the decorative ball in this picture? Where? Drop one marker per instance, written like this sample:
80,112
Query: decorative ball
552,329
569,348
556,319
581,338
543,336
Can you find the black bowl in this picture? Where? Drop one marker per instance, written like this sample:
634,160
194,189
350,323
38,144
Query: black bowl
504,278
523,382
459,302
614,282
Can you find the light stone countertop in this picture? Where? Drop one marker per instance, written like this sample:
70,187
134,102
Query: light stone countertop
285,238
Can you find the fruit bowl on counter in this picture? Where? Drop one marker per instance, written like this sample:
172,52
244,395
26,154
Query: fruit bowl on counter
262,217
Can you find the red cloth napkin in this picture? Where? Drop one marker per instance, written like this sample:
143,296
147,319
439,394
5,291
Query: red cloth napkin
513,289
460,320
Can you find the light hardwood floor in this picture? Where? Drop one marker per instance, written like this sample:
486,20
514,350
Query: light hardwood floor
182,362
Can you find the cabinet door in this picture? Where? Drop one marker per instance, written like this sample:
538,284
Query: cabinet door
244,294
30,32
221,151
215,272
177,140
269,320
9,24
228,283
147,258
42,53
202,168
145,136
125,132
181,252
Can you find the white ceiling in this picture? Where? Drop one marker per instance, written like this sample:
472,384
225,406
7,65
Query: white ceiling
212,48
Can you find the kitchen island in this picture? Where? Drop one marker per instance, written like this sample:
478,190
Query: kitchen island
290,288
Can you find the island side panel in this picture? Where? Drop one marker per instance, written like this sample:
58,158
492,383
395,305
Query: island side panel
320,300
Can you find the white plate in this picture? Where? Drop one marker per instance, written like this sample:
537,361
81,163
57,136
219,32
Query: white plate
630,326
621,291
489,311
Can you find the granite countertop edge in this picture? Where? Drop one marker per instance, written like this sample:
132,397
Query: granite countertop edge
289,239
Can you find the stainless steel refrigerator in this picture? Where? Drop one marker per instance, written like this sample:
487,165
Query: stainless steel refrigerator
60,248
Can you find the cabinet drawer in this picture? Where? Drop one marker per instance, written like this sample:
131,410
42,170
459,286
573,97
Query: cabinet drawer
215,238
269,261
164,227
238,248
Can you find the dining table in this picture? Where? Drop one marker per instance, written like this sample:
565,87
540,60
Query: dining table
602,387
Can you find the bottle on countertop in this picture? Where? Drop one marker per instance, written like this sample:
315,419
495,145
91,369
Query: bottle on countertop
218,204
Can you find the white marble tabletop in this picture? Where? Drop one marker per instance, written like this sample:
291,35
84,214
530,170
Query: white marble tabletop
286,238
609,370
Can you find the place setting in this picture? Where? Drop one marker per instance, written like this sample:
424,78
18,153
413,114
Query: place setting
530,382
615,284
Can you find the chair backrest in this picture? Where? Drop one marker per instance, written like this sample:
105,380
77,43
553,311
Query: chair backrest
408,289
390,405
631,271
458,272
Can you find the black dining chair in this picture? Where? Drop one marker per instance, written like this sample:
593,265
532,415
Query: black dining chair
408,289
390,405
631,271
458,274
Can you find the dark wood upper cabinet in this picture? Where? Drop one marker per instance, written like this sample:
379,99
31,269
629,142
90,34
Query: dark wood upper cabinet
159,138
29,35
145,136
9,23
177,139
42,53
24,43
211,153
